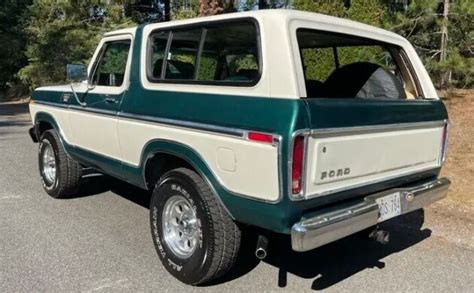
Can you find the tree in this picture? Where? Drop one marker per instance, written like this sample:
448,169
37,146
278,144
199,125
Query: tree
12,38
459,60
371,12
61,32
422,24
329,7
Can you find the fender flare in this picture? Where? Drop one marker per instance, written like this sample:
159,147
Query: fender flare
191,156
46,117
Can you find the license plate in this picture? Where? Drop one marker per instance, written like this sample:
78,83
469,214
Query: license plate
389,206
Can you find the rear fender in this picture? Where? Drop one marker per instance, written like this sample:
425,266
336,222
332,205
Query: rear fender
189,155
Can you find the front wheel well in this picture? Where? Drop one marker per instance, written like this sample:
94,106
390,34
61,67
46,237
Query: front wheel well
41,127
159,164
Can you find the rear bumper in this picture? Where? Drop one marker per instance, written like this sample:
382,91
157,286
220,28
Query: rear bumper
328,227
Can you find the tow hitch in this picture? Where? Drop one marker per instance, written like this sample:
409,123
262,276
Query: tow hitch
381,236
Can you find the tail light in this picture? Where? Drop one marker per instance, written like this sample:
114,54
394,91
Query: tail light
444,142
297,165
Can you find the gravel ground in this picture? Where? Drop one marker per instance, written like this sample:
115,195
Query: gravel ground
101,242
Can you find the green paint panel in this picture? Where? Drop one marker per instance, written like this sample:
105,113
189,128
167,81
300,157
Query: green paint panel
279,116
331,113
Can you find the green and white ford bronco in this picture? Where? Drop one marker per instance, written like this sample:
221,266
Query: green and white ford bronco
293,122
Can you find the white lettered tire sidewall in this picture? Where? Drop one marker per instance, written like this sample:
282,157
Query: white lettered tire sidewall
193,269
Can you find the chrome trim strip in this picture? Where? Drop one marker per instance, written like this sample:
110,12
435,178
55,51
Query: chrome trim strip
366,183
143,162
93,110
52,104
301,195
172,122
445,144
345,131
339,131
234,132
331,226
186,124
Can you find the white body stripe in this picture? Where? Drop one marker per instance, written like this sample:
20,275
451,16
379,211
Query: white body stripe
253,174
256,165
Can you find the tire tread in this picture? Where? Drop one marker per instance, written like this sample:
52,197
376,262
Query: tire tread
226,232
70,171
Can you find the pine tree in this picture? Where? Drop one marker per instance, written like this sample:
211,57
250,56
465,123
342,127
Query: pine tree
12,40
61,32
422,25
329,7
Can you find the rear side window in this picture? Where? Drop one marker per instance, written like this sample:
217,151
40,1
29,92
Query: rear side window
225,53
230,53
182,54
343,66
319,63
374,54
158,48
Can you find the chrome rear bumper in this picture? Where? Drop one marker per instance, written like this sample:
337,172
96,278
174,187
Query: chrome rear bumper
328,227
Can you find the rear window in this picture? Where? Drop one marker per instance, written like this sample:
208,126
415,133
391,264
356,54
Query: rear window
343,66
225,53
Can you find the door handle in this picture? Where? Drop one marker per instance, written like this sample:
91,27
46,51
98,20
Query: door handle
110,100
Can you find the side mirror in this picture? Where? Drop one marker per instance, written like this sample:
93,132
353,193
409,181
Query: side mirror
76,72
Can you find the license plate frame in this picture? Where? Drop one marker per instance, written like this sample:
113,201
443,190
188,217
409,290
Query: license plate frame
390,206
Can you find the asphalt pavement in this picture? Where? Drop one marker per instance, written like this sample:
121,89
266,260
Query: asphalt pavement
100,242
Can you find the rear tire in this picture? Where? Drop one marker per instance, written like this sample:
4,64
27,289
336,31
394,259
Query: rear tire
60,175
194,236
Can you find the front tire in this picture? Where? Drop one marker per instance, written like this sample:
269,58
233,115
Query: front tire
194,236
60,175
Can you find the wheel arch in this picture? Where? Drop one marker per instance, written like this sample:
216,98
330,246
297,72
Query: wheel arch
160,149
44,121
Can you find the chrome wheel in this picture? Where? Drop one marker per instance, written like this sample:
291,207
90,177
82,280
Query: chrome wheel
49,163
181,227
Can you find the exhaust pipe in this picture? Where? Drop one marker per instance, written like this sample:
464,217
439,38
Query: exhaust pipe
381,236
262,245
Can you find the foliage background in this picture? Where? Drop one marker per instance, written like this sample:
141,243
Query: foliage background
39,37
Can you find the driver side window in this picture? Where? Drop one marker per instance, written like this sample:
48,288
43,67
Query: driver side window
111,64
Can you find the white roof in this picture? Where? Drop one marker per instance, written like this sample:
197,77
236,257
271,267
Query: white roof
130,30
276,15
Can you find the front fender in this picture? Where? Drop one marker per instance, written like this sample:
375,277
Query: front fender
47,118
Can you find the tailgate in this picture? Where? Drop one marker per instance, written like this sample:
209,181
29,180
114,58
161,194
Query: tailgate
356,142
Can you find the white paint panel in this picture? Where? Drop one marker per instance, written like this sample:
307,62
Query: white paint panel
256,164
59,114
95,132
371,157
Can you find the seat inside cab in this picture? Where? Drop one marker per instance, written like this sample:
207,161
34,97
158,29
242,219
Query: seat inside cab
342,66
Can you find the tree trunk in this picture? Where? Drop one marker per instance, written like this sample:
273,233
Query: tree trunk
262,4
167,10
446,76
